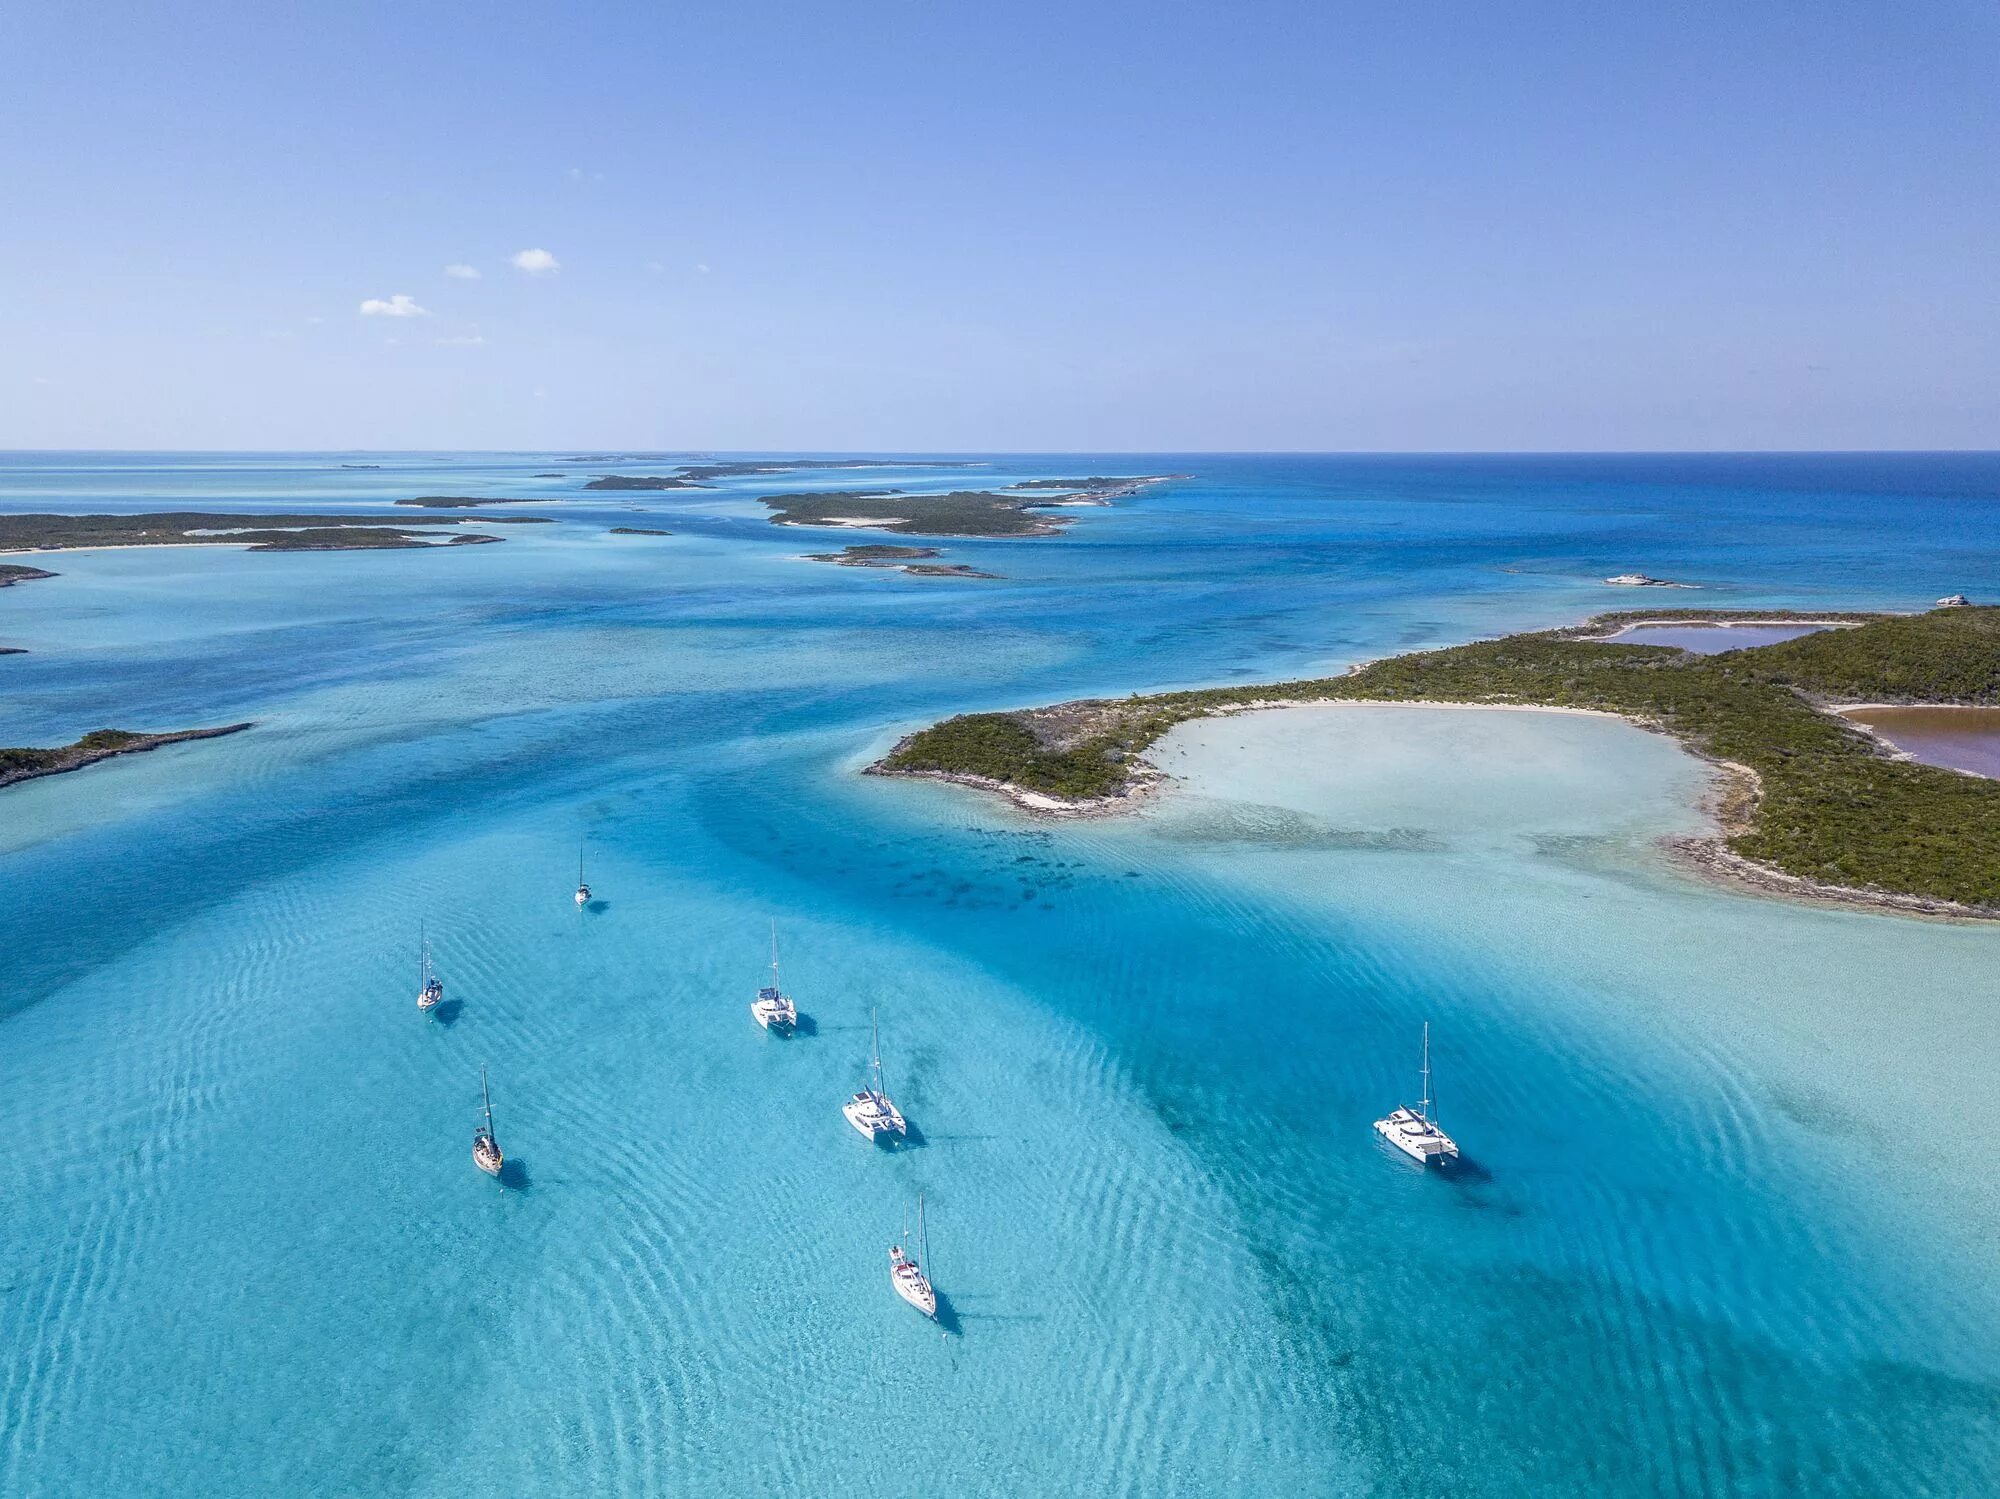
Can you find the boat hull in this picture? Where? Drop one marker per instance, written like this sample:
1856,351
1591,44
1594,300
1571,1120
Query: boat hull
917,1292
1418,1139
872,1125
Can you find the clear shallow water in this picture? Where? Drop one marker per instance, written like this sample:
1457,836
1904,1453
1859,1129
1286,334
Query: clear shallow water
246,1251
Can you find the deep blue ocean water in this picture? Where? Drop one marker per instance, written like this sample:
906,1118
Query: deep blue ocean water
1733,1223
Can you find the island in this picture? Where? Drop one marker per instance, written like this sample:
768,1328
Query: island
641,481
1096,490
962,512
259,533
903,559
807,465
637,531
12,573
99,744
1807,804
466,502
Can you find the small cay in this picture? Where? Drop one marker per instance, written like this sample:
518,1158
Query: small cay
99,744
1817,807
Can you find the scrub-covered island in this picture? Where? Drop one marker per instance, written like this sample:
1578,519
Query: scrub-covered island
1018,510
258,532
99,744
1809,804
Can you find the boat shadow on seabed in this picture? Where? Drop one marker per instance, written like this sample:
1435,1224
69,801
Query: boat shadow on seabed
446,1012
514,1174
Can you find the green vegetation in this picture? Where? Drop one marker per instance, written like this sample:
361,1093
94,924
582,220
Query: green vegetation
903,559
963,512
260,533
640,481
638,531
99,744
10,574
804,465
463,502
1833,807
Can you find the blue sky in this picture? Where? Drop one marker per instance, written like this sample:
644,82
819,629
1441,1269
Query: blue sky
1422,225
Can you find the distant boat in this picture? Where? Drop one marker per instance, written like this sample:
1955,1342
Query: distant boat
1413,1130
906,1271
582,890
1954,601
429,989
772,1008
870,1110
485,1149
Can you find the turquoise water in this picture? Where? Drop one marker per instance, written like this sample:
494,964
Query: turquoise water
1733,1221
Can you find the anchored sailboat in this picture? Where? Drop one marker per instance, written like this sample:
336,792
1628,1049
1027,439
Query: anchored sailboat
906,1271
1413,1130
429,988
870,1110
772,1008
582,890
485,1149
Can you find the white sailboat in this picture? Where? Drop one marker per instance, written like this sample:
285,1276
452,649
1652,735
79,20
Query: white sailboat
906,1271
870,1110
485,1149
582,890
1413,1130
773,1008
430,989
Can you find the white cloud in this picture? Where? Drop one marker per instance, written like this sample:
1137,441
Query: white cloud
655,267
462,341
399,305
462,272
536,262
703,269
41,380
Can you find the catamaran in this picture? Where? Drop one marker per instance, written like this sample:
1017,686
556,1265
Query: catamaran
773,1008
906,1271
485,1149
582,890
870,1110
1413,1130
429,989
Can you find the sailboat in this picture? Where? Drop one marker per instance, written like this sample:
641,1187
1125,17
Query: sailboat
773,1008
429,988
870,1110
582,890
1414,1131
906,1271
485,1149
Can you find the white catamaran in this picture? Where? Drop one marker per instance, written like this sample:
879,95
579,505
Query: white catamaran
1413,1130
906,1271
582,890
870,1110
773,1008
485,1149
429,988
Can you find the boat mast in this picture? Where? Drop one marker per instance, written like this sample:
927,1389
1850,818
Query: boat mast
875,1049
775,985
1424,1108
923,1239
486,1099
